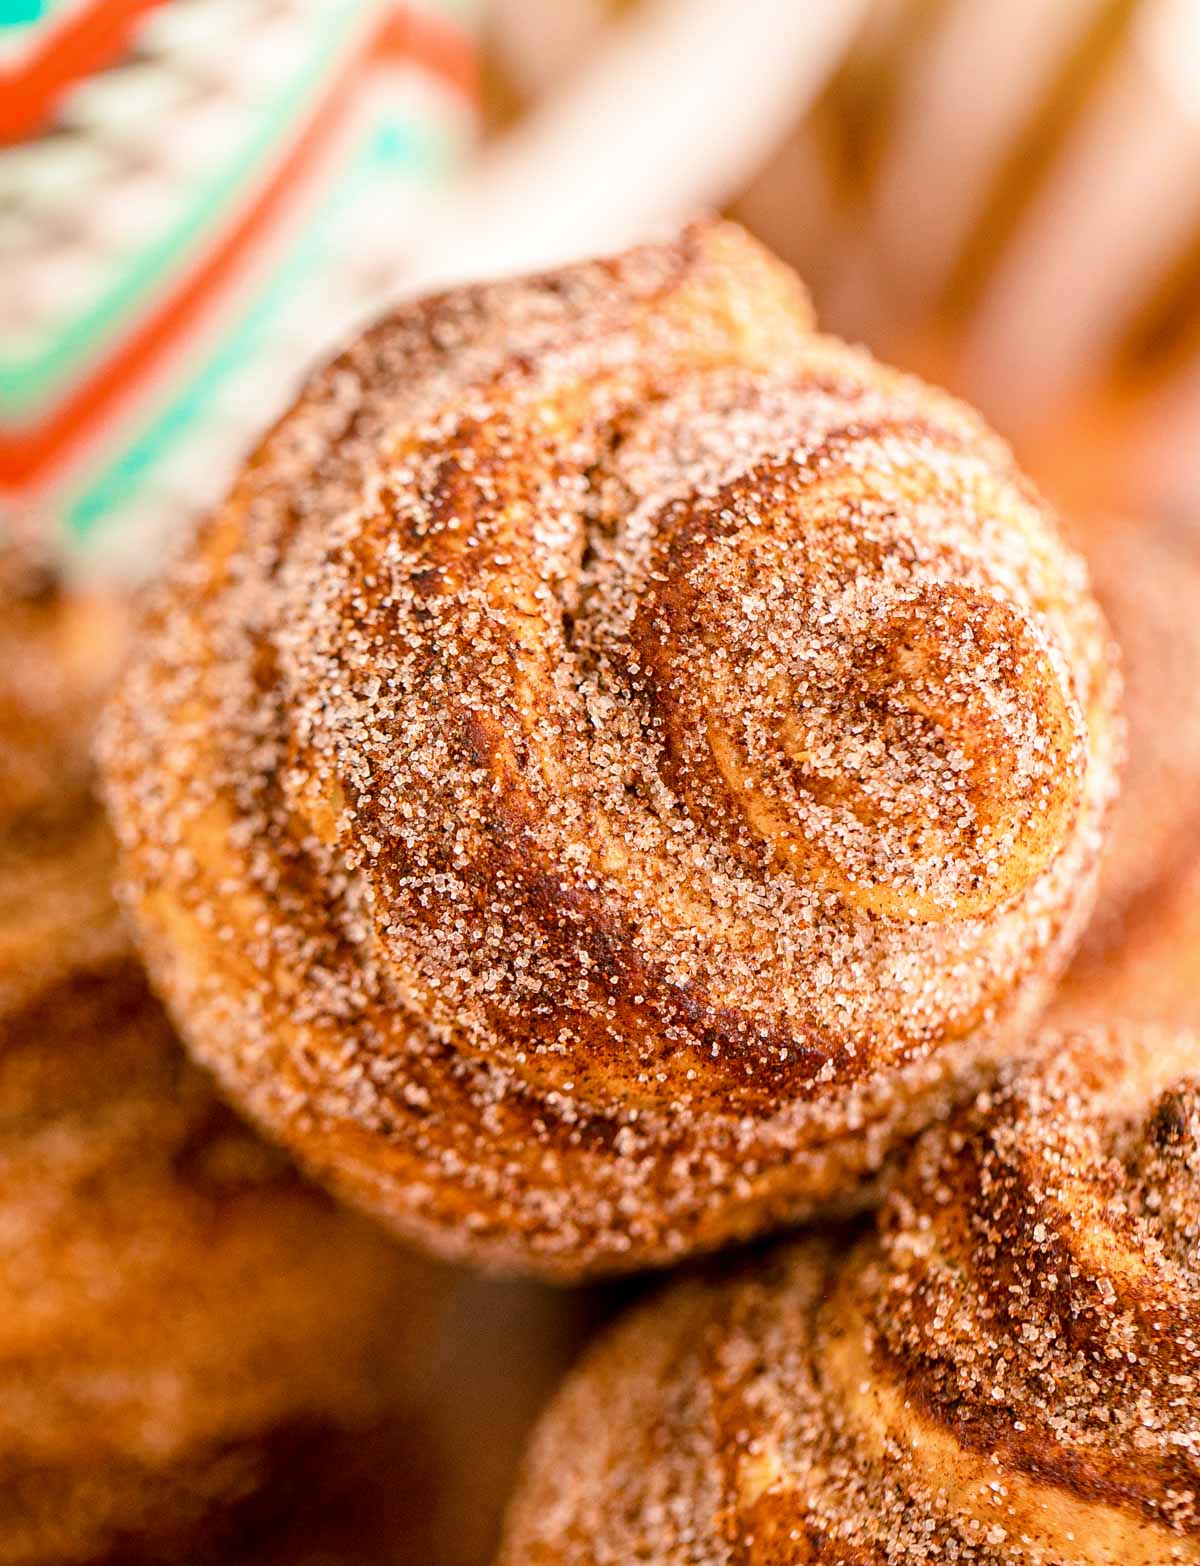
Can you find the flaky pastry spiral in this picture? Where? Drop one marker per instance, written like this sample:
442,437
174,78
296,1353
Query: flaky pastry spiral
1140,956
1007,1373
183,1321
613,763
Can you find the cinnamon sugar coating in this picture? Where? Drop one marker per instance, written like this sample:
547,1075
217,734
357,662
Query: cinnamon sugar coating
1006,1373
183,1321
1141,954
614,765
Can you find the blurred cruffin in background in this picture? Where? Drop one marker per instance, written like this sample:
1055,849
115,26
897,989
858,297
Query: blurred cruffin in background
174,1369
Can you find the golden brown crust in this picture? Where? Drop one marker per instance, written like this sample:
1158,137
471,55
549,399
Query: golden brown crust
1005,1374
182,1319
1141,954
613,765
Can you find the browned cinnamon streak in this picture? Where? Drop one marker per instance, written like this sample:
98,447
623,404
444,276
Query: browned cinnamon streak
614,765
1005,1374
186,1328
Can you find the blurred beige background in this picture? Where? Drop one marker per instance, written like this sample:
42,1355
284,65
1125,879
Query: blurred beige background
1002,193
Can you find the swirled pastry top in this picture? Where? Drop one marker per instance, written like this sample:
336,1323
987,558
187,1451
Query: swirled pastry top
682,714
1005,1375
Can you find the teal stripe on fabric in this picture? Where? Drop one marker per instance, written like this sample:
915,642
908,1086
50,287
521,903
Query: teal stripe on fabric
25,384
19,13
389,148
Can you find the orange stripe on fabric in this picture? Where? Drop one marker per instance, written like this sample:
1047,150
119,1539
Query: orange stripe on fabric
85,43
25,454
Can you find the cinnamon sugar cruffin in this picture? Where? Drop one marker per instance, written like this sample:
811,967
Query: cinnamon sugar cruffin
614,766
1006,1373
182,1319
